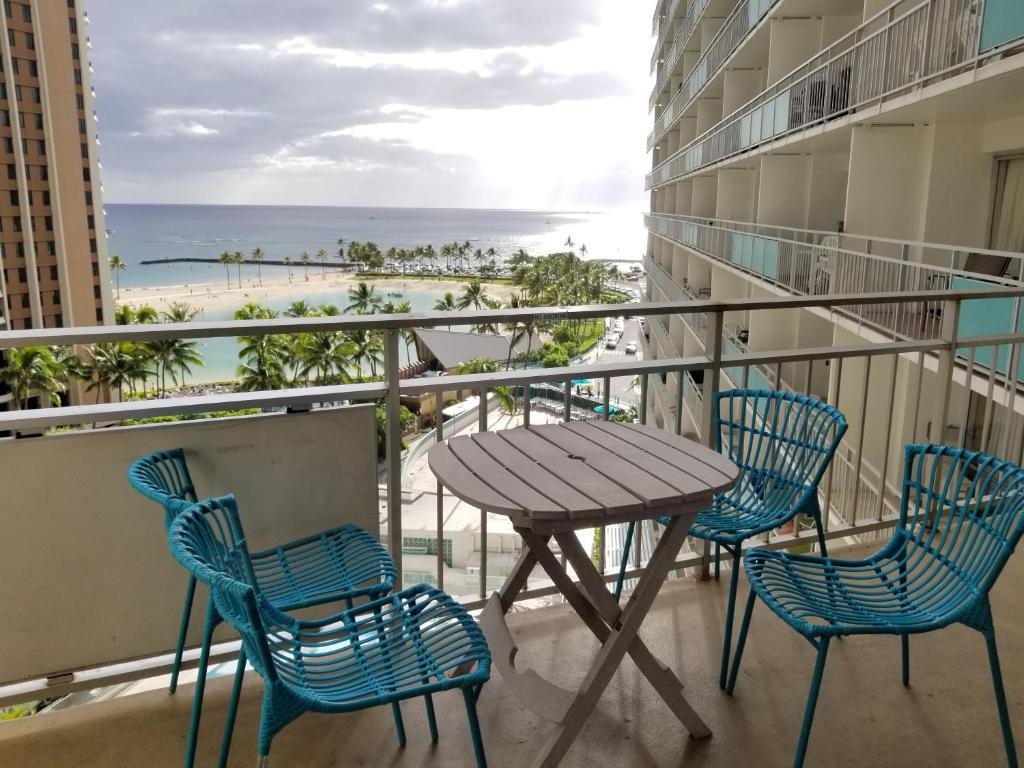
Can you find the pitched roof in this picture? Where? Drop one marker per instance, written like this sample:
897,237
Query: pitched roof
454,347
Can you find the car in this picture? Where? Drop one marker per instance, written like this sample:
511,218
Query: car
611,342
631,348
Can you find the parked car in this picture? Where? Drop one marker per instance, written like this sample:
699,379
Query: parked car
631,348
611,342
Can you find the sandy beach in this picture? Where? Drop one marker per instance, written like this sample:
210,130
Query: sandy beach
219,296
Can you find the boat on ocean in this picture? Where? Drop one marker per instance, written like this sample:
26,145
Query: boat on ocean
395,295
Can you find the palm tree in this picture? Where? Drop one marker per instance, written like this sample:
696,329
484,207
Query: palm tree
257,258
124,314
174,356
114,365
117,266
446,303
473,296
33,368
327,354
327,310
299,309
321,256
180,312
263,363
238,259
146,314
288,263
568,242
583,250
305,264
253,311
227,260
367,348
362,300
341,249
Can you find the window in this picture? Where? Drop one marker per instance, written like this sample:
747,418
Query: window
26,12
24,146
41,146
71,4
8,10
91,220
33,68
55,298
73,25
86,174
8,145
51,247
37,118
78,77
30,202
58,321
48,223
17,223
14,198
10,37
53,273
20,250
17,93
36,95
95,269
99,310
24,301
96,292
12,171
22,275
30,41
46,198
21,119
28,175
14,65
92,245
80,100
85,150
5,117
44,173
74,51
81,125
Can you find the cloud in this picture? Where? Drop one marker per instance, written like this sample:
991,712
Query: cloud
341,102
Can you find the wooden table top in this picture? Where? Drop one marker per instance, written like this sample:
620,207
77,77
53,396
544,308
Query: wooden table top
580,473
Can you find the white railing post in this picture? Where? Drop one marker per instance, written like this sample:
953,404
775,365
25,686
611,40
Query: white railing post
944,374
713,350
393,449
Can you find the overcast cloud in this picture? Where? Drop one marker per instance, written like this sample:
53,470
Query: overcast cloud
482,103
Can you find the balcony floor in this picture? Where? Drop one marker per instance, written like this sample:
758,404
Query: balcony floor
865,716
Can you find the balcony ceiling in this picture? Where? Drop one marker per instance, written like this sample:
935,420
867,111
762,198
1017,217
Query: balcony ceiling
865,716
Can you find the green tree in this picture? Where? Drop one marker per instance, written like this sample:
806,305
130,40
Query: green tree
326,355
227,260
362,300
238,259
117,266
505,396
33,369
264,363
321,256
305,264
341,249
257,257
114,365
473,295
299,309
253,311
180,312
288,262
146,314
124,314
367,349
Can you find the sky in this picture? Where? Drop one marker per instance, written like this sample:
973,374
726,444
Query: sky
536,104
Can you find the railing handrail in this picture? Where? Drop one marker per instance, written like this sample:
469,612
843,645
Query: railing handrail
714,221
682,37
384,322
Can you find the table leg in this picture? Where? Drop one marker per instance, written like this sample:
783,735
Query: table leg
618,640
660,676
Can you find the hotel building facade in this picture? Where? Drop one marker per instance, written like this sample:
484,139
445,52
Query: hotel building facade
829,147
53,257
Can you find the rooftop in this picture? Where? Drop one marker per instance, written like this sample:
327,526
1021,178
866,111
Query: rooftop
947,717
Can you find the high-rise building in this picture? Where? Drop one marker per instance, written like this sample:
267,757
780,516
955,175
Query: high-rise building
53,260
823,147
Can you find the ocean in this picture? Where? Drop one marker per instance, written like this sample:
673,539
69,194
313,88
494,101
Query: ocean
145,232
142,232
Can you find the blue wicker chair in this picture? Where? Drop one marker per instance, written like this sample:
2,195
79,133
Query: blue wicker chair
782,443
412,643
343,563
961,516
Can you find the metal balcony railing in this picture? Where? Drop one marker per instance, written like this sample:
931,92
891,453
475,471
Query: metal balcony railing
929,401
906,46
680,43
802,266
663,32
743,19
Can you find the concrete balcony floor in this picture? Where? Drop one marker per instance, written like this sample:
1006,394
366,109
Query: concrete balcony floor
865,716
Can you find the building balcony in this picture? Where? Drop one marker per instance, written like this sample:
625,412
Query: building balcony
865,716
92,598
892,55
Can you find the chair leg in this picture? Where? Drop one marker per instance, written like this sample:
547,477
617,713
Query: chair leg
744,627
197,703
431,720
474,725
905,648
229,722
812,702
734,578
190,595
399,723
624,563
997,682
816,513
718,559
